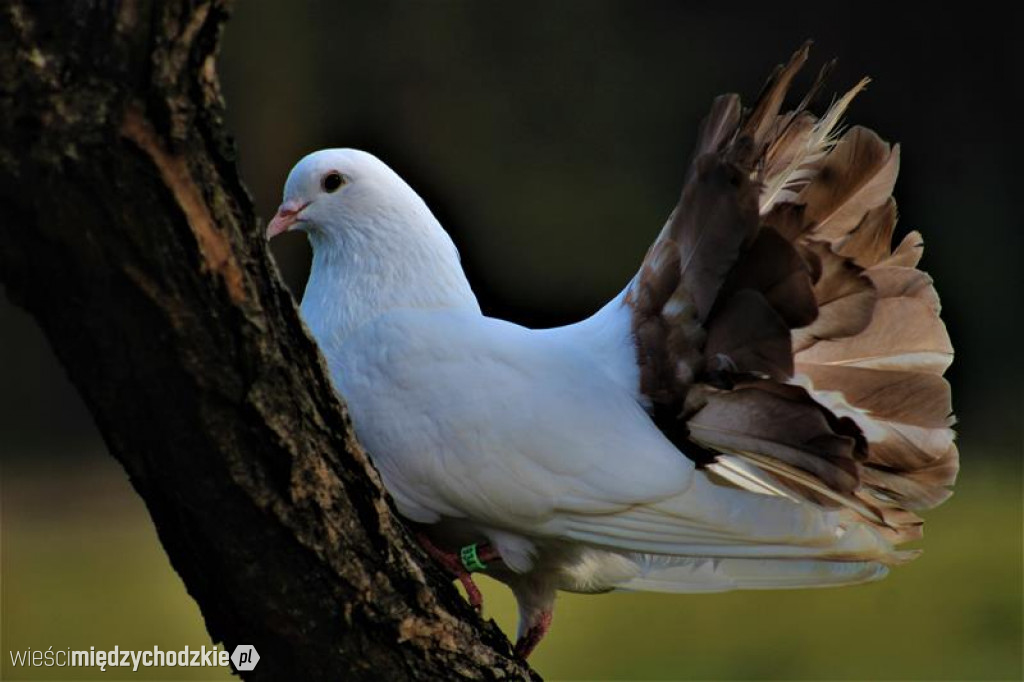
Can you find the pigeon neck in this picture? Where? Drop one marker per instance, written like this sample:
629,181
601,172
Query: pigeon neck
361,271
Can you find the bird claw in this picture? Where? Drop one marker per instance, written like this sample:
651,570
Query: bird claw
476,599
531,638
452,562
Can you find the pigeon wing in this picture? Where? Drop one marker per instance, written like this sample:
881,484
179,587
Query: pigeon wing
520,432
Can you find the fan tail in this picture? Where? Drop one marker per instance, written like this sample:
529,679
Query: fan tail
782,342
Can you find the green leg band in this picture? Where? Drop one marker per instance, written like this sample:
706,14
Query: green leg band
471,560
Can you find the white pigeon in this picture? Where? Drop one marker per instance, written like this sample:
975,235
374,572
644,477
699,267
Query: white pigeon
761,407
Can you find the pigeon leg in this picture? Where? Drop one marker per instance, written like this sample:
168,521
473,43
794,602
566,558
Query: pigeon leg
531,638
455,564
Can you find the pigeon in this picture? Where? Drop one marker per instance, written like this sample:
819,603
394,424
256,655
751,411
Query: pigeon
761,407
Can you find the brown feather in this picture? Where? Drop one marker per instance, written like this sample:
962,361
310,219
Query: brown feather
899,525
905,489
904,333
789,220
774,268
845,298
916,398
790,143
764,114
717,214
941,472
809,487
661,343
906,453
719,126
896,281
858,175
748,336
908,253
790,428
729,303
871,240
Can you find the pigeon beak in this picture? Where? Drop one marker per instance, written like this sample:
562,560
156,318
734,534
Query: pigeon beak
287,215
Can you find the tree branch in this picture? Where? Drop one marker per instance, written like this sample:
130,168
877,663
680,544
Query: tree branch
129,236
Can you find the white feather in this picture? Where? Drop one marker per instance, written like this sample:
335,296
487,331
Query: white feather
706,575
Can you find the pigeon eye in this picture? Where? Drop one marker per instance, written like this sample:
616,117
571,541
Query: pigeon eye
332,181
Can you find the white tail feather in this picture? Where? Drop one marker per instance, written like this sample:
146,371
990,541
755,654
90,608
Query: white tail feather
719,575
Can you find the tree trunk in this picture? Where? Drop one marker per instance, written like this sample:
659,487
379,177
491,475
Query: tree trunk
129,236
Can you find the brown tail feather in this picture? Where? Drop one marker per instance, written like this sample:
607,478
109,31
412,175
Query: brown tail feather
845,298
871,240
774,323
857,176
765,114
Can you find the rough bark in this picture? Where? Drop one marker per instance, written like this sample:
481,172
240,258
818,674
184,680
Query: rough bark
128,234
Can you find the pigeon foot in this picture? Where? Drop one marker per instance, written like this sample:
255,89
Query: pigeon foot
457,565
531,638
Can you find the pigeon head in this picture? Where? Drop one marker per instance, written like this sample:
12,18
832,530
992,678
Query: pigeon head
334,190
376,245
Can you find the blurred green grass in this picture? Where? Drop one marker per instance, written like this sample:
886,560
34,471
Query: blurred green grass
81,566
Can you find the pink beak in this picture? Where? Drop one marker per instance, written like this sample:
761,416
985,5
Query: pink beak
287,215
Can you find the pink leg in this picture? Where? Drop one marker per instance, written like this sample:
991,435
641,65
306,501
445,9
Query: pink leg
453,564
531,638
